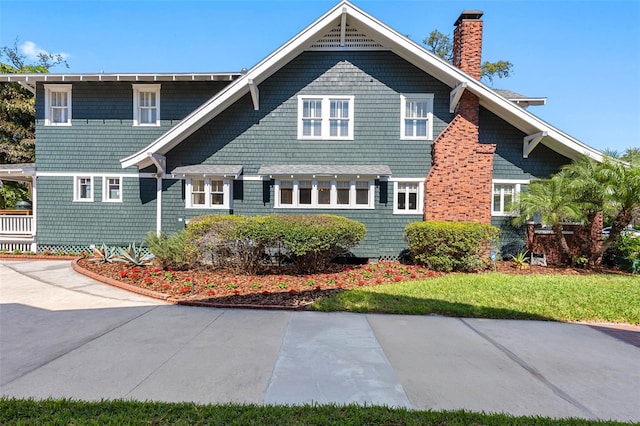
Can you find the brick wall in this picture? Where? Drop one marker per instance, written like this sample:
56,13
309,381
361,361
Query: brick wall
544,241
458,186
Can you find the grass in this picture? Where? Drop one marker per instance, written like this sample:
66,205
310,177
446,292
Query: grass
120,412
593,298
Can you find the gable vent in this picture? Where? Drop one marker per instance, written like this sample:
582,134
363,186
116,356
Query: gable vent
353,39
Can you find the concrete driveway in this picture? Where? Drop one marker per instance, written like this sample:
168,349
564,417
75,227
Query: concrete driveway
65,335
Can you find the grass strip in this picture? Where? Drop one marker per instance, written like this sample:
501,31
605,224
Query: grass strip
593,298
121,412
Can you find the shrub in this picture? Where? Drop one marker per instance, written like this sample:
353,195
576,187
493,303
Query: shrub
244,244
312,241
451,246
624,254
225,242
170,251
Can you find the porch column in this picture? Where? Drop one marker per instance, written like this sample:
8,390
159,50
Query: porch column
158,204
34,209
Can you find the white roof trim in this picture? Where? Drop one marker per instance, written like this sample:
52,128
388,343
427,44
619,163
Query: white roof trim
68,78
399,44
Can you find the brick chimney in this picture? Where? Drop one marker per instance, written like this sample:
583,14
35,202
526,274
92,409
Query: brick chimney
467,42
458,186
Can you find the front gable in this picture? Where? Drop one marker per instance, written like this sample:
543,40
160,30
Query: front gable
344,28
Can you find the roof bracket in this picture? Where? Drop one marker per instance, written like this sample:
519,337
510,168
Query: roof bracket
255,94
530,142
455,95
27,86
160,162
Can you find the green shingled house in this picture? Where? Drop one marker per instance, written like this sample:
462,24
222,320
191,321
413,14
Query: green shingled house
348,117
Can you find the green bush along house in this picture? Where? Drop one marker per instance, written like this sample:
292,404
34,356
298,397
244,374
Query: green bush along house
349,117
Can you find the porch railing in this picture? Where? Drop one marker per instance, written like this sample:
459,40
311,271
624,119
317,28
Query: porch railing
16,224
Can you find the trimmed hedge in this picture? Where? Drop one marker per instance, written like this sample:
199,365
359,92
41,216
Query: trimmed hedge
451,246
244,243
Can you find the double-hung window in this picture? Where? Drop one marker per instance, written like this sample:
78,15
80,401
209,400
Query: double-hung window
408,197
83,188
325,193
505,193
146,104
57,105
417,116
112,189
325,117
208,193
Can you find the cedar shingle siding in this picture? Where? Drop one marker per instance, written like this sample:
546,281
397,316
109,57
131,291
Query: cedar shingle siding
102,134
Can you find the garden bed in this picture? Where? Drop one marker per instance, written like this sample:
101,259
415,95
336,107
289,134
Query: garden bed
277,290
217,287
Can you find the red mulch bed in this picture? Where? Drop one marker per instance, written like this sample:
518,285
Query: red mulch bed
281,290
227,288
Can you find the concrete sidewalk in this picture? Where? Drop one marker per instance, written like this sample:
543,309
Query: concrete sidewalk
65,335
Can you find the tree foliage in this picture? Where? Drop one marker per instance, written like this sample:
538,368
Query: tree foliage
17,104
441,45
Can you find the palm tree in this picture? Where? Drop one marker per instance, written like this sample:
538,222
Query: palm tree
610,188
588,180
549,199
622,196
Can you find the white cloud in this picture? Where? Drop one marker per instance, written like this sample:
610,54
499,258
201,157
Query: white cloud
31,51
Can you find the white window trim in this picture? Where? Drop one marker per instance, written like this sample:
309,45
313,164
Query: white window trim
48,90
76,189
105,190
333,195
403,111
325,118
518,186
137,88
420,199
226,194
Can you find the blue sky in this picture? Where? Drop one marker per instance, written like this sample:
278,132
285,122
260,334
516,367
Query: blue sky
584,56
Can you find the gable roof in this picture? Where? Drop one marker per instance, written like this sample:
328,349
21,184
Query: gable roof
350,20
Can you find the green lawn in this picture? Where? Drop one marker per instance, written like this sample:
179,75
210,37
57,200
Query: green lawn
598,297
67,412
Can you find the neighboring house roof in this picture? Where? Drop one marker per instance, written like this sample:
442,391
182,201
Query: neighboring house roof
325,170
521,100
331,31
